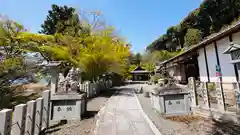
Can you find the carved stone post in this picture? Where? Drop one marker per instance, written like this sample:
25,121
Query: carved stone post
220,95
19,117
205,95
193,92
5,121
237,95
46,109
54,80
30,117
38,117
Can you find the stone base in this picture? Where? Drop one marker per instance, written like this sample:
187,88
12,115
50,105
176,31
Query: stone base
70,106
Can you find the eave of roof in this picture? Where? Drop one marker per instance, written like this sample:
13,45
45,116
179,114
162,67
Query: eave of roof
231,29
232,47
140,71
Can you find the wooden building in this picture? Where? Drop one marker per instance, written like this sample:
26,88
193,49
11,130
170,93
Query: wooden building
140,74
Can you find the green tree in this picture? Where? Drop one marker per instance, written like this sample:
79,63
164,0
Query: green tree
12,65
135,59
158,56
95,54
192,37
210,17
60,19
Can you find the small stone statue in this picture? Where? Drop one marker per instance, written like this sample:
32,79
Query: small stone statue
61,83
71,82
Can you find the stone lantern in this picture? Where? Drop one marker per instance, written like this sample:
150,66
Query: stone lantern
67,101
170,100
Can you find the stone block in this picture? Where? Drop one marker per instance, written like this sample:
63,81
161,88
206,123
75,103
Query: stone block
38,117
205,95
30,117
193,91
220,95
5,121
46,109
67,106
19,119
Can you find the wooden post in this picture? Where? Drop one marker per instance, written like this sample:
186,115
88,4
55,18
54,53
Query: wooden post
30,118
19,119
46,109
193,92
5,121
38,117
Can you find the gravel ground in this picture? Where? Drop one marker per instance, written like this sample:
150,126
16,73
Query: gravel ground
85,126
169,127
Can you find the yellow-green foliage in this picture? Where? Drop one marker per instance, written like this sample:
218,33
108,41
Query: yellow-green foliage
159,56
94,54
148,66
10,64
155,78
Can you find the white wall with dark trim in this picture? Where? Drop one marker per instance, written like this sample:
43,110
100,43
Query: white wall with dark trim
212,62
202,66
228,73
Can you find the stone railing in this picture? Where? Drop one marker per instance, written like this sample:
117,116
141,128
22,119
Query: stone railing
92,89
34,116
30,118
220,97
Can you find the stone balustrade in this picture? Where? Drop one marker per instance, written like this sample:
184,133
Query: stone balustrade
34,116
30,118
92,89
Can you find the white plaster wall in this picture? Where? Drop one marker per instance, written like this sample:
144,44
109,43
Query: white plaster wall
202,66
228,73
176,72
182,73
236,37
212,62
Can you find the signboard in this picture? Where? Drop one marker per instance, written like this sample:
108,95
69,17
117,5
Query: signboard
218,71
64,110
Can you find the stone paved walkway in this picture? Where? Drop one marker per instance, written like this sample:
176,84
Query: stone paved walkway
122,115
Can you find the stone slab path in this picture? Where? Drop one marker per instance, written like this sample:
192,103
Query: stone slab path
122,115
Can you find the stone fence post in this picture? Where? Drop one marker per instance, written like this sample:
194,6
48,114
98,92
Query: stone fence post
19,119
27,119
94,88
193,92
38,117
30,118
5,121
87,84
205,94
90,87
46,109
220,95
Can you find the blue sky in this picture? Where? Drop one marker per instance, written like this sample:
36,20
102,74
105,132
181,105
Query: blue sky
139,21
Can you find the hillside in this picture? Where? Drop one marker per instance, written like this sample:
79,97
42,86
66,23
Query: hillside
209,18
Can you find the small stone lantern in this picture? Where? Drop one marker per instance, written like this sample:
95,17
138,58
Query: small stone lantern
170,100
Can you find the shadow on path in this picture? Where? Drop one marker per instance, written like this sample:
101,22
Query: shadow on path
224,126
53,128
89,114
